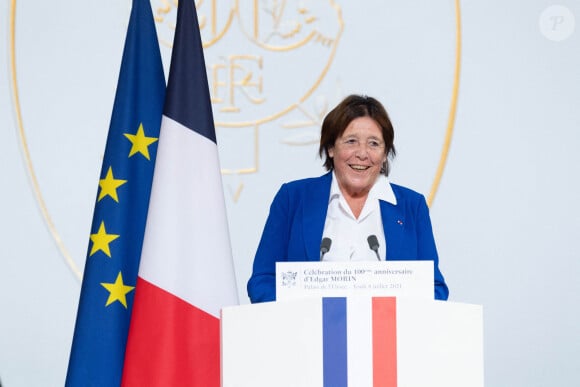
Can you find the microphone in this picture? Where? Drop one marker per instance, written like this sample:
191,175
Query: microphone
324,246
374,245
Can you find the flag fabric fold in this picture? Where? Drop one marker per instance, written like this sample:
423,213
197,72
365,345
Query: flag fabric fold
186,273
118,226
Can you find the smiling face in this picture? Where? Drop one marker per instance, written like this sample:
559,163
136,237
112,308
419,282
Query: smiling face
358,155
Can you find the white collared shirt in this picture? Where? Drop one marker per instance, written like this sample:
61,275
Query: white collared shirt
348,234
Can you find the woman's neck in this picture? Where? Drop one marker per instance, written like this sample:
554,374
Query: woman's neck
356,203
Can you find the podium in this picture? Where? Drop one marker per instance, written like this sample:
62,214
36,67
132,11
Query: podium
352,342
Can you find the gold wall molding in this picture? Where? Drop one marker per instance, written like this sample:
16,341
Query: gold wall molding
26,151
452,110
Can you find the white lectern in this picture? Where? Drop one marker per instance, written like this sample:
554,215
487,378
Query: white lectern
352,342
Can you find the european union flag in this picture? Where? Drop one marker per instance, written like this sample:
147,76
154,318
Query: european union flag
114,251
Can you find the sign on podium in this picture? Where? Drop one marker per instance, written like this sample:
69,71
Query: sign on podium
412,279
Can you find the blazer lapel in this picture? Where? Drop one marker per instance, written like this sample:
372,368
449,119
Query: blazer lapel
314,215
393,222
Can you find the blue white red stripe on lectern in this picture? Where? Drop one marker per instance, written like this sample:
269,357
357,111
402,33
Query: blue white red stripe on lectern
376,334
334,342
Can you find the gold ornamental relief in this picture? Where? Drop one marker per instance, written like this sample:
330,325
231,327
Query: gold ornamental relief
264,58
252,46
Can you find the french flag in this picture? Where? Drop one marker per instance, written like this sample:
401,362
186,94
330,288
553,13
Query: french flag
186,274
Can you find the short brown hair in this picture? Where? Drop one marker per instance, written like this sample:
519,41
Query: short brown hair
352,107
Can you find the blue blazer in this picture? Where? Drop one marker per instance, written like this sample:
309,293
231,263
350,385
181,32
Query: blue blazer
294,227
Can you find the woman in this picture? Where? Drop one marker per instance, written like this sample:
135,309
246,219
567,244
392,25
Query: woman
351,202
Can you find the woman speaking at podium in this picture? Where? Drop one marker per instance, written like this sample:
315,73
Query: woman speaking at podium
352,212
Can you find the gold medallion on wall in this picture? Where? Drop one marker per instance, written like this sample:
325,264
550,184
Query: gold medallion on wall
264,59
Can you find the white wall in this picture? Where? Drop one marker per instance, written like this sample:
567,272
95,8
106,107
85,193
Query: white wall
506,214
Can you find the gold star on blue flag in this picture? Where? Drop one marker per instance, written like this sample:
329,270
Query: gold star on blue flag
116,236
